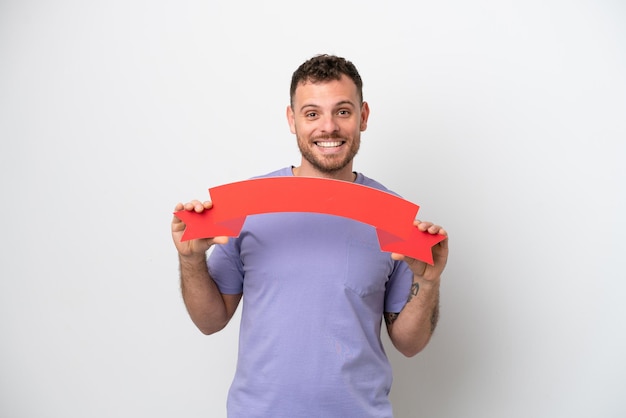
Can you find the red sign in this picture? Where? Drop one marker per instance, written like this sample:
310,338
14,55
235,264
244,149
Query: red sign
391,215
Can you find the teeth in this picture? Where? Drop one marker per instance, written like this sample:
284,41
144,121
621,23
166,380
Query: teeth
328,144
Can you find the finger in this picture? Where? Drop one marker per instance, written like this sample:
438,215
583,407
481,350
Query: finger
424,226
177,224
220,240
175,219
198,207
201,206
194,205
431,228
444,244
434,229
397,256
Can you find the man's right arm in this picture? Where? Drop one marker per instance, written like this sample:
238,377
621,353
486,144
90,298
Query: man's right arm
209,309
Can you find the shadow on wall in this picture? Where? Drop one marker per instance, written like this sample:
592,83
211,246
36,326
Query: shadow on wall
437,382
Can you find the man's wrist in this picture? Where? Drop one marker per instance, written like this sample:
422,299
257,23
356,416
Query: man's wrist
192,260
427,283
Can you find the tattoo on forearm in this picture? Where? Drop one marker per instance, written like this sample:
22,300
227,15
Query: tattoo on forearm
390,317
434,318
415,287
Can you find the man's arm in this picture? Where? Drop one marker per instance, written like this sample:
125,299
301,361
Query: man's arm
411,329
209,309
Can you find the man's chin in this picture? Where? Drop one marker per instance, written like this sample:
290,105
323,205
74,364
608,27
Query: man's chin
327,167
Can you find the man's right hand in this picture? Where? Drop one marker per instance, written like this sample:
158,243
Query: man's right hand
198,247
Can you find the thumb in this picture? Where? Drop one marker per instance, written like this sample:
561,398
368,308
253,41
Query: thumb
220,240
397,256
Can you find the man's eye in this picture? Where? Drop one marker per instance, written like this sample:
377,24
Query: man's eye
344,112
311,115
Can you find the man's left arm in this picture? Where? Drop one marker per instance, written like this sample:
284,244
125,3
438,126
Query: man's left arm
411,329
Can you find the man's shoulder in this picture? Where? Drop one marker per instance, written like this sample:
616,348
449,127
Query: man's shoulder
283,172
367,181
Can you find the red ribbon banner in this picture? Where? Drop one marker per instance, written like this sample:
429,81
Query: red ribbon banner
391,215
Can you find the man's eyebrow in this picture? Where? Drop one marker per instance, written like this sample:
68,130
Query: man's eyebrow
338,104
308,105
345,102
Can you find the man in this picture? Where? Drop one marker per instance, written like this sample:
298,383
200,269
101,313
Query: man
315,287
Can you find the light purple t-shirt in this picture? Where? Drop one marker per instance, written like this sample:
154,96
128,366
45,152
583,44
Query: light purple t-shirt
315,288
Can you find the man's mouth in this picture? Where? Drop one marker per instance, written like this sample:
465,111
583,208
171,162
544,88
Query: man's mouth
328,144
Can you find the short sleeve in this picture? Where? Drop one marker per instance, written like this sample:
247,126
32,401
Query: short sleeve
398,287
225,267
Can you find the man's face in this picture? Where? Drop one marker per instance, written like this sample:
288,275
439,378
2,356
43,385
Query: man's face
327,119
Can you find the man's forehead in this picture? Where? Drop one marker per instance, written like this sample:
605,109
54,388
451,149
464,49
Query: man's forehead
343,79
311,88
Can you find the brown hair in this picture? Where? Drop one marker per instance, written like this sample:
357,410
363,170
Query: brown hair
325,68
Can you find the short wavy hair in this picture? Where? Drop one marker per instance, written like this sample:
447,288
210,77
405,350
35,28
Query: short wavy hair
323,68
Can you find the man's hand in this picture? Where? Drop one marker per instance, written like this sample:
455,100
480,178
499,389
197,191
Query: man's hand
209,309
196,247
423,270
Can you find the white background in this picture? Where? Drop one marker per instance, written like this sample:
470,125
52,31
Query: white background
505,121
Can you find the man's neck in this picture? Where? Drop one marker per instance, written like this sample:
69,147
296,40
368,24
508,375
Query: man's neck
345,174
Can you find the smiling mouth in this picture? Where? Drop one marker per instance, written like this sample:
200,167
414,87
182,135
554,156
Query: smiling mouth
329,144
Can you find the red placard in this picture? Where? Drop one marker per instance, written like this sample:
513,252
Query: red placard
391,215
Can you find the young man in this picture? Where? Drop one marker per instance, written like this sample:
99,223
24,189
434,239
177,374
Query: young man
316,286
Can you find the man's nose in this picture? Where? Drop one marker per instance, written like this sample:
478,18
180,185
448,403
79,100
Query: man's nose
329,124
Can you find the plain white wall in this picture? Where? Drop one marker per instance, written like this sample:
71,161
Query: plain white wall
505,121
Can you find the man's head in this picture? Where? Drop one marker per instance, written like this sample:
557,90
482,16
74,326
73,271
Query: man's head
327,114
322,68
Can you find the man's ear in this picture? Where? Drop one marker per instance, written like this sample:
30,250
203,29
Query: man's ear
291,120
365,114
